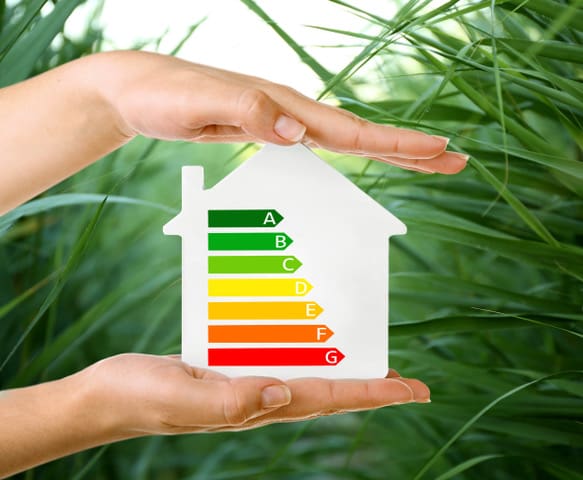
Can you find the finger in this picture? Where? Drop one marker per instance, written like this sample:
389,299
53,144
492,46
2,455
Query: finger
392,373
227,403
338,130
223,134
447,163
250,109
314,397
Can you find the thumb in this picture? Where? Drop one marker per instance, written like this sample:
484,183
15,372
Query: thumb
255,113
250,397
262,117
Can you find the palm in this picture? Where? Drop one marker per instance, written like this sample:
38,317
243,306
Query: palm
157,394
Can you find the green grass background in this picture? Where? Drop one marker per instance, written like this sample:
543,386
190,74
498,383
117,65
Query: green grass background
486,288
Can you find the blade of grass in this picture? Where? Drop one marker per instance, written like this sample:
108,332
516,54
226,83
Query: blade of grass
46,204
503,186
113,305
467,464
552,49
551,9
19,61
467,425
10,37
467,323
74,259
404,21
15,302
304,56
534,321
467,291
91,463
524,213
2,13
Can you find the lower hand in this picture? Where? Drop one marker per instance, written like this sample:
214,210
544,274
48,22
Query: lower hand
147,394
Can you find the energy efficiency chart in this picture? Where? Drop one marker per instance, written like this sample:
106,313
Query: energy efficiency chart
284,270
274,316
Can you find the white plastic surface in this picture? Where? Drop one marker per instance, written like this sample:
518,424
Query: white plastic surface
341,237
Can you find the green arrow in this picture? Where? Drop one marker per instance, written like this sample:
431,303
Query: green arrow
249,241
253,264
244,218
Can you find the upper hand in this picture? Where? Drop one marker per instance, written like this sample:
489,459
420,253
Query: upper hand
147,394
167,98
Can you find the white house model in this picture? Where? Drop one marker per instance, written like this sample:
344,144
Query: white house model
285,270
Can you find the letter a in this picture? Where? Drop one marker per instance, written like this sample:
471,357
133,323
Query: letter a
269,219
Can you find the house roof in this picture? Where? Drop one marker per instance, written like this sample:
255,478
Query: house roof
296,169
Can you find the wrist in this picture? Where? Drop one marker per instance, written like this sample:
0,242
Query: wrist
50,420
102,76
99,406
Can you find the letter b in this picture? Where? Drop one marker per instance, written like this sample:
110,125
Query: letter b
280,242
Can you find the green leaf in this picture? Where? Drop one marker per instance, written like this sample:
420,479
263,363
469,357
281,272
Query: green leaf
467,425
18,63
72,262
15,302
46,204
546,48
10,37
524,213
116,303
466,465
552,9
310,61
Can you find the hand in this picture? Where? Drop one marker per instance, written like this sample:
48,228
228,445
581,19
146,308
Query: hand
168,98
102,101
147,394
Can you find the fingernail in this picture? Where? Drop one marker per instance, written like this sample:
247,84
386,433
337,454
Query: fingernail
288,128
420,390
275,396
393,373
402,393
462,156
441,142
458,161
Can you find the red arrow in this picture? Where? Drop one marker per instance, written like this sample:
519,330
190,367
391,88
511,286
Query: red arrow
263,357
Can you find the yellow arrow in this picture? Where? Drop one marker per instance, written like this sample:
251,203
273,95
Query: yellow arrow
263,310
258,287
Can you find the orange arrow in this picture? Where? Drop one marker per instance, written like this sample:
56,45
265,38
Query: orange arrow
269,333
263,310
